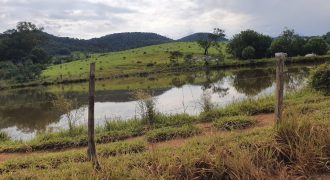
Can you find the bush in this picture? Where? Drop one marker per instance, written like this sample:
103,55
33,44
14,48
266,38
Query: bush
320,78
288,42
234,122
167,133
317,46
259,42
248,52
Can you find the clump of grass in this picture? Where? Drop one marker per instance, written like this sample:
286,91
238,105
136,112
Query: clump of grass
4,137
53,161
167,133
133,125
304,144
234,122
163,120
119,148
246,107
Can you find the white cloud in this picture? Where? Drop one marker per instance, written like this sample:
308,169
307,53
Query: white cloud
173,18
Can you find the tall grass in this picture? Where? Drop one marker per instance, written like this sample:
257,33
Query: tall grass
3,137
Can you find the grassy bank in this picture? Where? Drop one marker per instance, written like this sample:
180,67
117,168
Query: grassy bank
297,148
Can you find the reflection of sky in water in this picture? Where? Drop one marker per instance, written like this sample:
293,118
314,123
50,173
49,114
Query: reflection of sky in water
185,99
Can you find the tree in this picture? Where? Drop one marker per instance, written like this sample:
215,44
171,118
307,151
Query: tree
248,52
174,56
326,37
18,43
288,42
211,40
18,47
39,56
317,46
259,42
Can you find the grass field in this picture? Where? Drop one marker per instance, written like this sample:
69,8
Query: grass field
146,60
115,63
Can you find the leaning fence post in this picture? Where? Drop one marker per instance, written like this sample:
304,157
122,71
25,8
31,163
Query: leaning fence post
279,86
91,151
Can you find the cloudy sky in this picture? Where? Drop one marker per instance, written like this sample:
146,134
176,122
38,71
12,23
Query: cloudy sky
172,18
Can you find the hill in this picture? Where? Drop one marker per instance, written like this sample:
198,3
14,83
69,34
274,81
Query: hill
196,37
114,42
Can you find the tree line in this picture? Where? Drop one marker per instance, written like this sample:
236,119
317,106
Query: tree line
250,44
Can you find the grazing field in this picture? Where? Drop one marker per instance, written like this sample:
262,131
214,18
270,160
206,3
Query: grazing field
144,59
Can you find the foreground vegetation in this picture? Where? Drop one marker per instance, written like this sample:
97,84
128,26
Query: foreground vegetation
297,147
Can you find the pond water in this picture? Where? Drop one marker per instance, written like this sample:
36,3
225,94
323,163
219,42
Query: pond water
25,112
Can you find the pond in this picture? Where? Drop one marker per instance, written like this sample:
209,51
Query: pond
26,112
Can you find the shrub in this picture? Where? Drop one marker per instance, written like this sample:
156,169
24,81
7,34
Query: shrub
317,46
146,105
320,78
234,122
167,133
248,52
247,38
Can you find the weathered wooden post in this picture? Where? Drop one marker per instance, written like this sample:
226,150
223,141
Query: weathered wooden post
91,151
279,86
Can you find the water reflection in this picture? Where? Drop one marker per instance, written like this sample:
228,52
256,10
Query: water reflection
25,112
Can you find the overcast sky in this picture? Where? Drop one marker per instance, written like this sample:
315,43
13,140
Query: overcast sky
173,18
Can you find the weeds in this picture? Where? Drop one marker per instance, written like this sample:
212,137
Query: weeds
234,122
167,133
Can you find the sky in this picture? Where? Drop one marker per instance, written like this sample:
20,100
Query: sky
85,19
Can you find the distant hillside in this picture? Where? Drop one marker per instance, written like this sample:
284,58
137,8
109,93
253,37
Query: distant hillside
196,37
113,42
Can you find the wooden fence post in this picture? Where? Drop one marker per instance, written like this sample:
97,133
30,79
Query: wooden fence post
279,86
91,151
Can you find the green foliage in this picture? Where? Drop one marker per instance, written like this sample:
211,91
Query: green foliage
320,78
3,137
317,46
234,122
289,42
168,133
18,46
174,56
211,40
174,120
326,37
248,52
246,107
135,125
249,38
146,105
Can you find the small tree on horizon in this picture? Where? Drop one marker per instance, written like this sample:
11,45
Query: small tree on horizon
211,40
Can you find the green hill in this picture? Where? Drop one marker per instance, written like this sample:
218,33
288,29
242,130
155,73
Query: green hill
115,63
114,42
